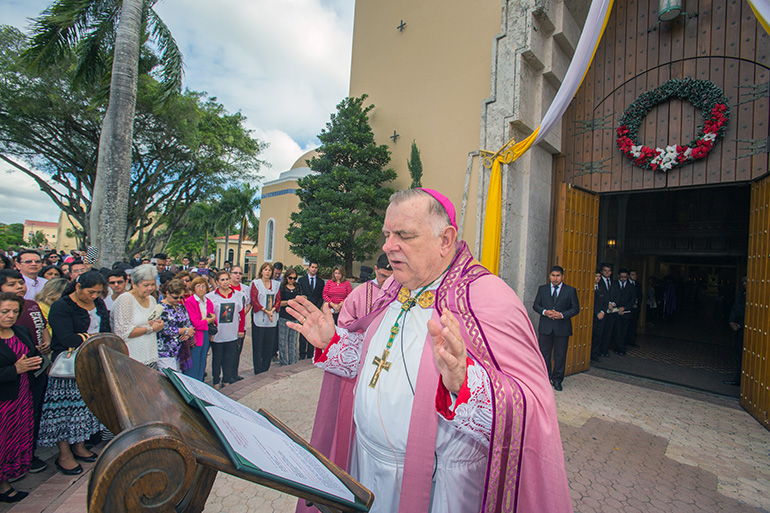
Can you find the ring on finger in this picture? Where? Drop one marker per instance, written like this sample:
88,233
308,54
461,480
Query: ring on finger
303,320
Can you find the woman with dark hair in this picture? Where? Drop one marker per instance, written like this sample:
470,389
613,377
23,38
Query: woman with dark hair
187,279
5,262
201,312
50,272
67,422
288,339
18,357
337,290
228,305
178,332
265,299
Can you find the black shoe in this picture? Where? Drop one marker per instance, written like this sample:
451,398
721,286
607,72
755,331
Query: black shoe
17,478
557,387
632,344
37,465
595,359
238,378
732,382
68,471
12,496
87,459
605,355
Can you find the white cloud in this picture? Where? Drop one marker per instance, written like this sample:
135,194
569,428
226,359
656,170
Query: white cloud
22,198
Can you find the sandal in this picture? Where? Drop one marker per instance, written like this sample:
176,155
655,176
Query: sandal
12,495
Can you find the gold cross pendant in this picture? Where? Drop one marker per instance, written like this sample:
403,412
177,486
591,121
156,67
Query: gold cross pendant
381,363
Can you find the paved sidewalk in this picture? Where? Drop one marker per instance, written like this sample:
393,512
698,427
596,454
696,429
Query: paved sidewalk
630,446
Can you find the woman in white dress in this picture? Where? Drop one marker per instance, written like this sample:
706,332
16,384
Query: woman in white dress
265,299
131,313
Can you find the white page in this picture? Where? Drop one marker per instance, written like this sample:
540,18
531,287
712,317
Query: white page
276,453
210,395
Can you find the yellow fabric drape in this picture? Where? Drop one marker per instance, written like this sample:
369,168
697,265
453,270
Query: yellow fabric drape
493,219
598,17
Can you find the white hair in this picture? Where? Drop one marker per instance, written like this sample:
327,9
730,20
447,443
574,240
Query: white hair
439,219
145,272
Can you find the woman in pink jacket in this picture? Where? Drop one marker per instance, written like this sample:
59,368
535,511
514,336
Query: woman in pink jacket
201,311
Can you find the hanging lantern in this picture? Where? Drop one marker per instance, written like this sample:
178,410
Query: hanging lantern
669,10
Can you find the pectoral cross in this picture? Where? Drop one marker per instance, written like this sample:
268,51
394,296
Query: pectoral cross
381,363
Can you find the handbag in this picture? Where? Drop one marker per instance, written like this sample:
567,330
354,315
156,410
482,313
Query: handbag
213,330
64,364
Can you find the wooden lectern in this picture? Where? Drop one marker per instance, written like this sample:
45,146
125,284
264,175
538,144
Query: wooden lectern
164,456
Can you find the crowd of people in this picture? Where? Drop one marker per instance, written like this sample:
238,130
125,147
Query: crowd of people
169,316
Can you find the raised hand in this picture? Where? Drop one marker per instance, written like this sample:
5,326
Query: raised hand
315,325
449,350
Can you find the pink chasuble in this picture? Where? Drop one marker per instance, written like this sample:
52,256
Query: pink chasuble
525,469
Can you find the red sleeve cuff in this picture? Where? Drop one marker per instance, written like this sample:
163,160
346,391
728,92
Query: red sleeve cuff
444,398
320,356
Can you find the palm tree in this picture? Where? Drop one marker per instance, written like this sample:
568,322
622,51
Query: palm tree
100,31
236,206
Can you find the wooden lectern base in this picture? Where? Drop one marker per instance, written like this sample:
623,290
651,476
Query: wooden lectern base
164,456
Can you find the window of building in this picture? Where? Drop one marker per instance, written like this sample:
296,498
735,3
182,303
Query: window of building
269,239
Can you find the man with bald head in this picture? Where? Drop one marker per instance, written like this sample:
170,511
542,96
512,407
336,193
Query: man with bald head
438,399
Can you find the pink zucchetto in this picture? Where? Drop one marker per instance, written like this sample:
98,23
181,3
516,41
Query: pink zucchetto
448,206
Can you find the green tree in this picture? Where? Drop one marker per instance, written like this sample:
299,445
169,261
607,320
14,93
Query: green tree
192,236
414,164
184,149
342,204
236,206
11,235
89,28
37,239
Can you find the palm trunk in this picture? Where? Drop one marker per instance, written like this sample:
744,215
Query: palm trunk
244,224
109,208
227,243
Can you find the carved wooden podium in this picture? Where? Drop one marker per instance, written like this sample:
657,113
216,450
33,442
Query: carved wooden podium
164,456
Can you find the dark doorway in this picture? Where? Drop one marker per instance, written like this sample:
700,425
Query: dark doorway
689,248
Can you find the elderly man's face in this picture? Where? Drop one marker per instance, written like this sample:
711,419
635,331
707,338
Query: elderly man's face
416,254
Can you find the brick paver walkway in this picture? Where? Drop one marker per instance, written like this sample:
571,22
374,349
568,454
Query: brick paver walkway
630,446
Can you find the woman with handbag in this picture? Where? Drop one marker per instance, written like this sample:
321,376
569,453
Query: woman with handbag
18,357
67,422
265,300
178,334
134,318
201,311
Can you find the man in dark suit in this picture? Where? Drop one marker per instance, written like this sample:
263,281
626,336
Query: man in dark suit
636,310
601,303
556,303
605,284
623,295
312,287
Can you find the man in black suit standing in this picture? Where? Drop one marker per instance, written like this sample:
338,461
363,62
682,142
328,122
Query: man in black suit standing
605,285
556,303
623,295
636,310
312,287
601,303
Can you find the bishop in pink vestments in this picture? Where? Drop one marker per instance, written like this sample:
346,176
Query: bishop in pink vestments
444,402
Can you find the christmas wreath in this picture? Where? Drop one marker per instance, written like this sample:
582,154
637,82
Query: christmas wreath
703,95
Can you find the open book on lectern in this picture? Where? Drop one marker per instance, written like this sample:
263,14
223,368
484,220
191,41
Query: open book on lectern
258,447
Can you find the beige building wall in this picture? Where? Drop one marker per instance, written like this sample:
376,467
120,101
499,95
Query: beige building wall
278,202
248,248
49,229
65,243
428,83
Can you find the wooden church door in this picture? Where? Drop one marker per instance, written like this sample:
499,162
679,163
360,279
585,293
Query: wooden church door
755,373
576,233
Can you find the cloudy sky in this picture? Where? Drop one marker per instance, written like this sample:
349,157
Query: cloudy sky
284,64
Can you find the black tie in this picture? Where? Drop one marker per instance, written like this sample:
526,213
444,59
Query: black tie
312,283
555,294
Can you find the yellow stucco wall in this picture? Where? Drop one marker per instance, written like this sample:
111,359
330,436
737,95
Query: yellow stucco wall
428,83
278,208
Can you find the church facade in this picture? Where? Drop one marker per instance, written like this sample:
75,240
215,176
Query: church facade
462,78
